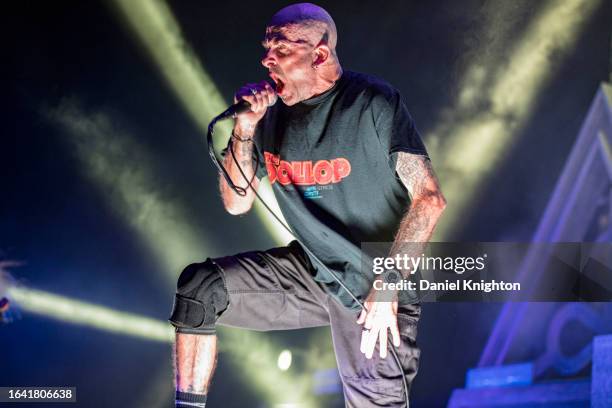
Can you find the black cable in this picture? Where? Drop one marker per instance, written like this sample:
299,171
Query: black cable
243,191
249,182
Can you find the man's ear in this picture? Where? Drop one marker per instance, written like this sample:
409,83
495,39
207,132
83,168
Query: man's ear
321,55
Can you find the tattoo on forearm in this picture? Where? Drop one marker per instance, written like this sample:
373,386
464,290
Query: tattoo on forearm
243,152
418,176
238,161
246,148
427,201
245,159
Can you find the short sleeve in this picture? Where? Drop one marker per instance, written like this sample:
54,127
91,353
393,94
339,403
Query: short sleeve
395,127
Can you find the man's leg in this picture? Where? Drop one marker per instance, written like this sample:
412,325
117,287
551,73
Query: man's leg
195,359
374,382
201,297
263,290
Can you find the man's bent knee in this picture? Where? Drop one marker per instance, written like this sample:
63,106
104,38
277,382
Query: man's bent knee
201,297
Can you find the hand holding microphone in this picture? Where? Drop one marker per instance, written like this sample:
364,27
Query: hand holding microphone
259,97
250,104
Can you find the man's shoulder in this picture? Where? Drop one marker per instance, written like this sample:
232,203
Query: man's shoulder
370,86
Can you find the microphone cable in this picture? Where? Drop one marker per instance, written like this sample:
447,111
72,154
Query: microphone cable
242,191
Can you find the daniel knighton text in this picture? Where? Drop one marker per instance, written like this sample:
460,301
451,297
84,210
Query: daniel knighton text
464,285
458,265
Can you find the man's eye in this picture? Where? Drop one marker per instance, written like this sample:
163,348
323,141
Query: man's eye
283,50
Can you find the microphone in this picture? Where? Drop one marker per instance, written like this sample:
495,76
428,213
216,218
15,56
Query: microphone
239,107
236,109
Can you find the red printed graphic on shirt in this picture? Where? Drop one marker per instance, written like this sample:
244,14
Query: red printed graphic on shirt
306,173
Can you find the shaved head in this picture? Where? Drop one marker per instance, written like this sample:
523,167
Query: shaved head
305,22
301,58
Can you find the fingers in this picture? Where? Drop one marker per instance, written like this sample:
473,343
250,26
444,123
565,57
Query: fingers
368,336
261,104
383,343
375,325
370,343
246,94
369,319
362,317
260,96
250,98
270,92
369,339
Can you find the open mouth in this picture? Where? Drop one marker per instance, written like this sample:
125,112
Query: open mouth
279,84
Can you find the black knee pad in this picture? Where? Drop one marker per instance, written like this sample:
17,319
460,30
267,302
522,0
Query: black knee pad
201,297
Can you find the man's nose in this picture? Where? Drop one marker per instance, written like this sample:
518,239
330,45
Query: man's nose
267,60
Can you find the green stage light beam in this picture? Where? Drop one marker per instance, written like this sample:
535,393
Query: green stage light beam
257,358
123,171
469,141
103,149
154,25
258,361
90,315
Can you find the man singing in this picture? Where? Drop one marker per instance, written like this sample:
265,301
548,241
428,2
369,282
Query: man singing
347,166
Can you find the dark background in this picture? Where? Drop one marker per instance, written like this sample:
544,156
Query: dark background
55,220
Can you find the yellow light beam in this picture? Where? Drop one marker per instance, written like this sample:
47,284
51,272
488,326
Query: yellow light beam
257,358
157,218
91,315
469,141
257,361
154,25
123,171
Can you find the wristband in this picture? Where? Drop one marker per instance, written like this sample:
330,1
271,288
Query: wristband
241,139
391,276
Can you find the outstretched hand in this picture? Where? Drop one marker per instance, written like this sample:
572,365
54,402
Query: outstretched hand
380,317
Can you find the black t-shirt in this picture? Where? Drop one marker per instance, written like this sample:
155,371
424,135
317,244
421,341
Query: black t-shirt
331,163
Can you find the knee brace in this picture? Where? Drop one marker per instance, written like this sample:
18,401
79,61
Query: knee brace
200,299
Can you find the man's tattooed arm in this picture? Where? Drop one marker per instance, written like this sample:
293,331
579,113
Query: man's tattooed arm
427,204
243,150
